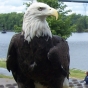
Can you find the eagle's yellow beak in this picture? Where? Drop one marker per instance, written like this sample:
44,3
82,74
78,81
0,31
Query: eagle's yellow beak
54,12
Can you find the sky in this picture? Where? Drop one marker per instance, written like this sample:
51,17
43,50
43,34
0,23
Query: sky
78,8
7,6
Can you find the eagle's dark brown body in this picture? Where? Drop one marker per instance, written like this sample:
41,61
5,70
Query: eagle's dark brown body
44,60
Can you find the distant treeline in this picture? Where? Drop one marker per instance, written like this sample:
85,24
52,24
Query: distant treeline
12,21
9,20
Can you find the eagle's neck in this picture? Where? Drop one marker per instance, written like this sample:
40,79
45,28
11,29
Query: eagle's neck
33,26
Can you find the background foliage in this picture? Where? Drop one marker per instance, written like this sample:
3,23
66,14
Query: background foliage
10,20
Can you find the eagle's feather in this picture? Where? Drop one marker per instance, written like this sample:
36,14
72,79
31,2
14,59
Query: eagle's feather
35,56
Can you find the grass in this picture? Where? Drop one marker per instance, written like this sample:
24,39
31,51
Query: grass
4,76
3,64
74,73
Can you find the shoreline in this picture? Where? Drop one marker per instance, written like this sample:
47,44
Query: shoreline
74,73
2,59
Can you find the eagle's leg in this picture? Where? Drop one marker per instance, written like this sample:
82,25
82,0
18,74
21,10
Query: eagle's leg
20,85
60,83
56,86
27,84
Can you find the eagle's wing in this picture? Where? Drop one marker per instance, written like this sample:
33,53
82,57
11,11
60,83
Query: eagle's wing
11,62
59,55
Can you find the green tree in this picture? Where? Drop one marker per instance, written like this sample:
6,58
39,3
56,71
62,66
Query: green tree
17,28
80,22
74,18
11,19
80,25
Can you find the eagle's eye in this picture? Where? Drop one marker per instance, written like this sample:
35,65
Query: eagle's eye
41,8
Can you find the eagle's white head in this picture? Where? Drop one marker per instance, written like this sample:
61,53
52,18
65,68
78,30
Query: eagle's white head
34,21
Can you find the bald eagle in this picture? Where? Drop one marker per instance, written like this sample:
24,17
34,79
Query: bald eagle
36,58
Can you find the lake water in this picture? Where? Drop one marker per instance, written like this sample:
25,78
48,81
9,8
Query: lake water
78,44
4,43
